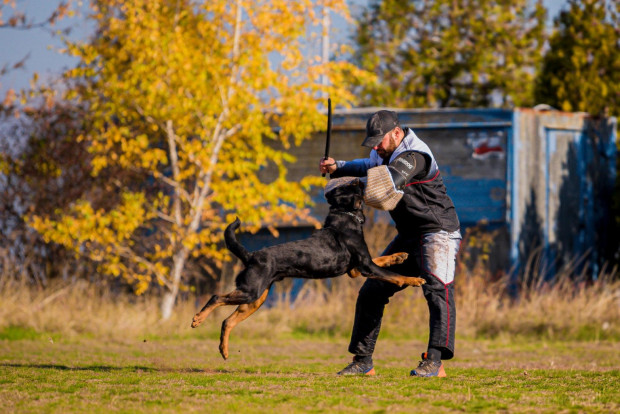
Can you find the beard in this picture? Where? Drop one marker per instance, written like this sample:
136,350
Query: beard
389,150
383,153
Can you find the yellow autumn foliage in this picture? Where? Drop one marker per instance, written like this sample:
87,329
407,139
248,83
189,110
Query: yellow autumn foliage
193,96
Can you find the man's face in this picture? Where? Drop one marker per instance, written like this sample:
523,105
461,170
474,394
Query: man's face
390,142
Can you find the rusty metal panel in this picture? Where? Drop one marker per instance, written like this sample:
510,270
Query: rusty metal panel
472,160
563,167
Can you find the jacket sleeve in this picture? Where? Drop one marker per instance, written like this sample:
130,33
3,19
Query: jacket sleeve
355,168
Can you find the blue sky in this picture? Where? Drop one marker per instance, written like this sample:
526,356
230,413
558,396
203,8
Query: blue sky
41,46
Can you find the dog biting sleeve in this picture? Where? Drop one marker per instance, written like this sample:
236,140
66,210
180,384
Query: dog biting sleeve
385,184
380,191
338,182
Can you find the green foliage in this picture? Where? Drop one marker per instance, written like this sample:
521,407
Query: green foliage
17,333
581,70
446,53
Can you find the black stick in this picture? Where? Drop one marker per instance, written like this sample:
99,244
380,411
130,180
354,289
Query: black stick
329,130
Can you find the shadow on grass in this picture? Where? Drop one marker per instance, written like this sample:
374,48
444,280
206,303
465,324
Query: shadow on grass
162,370
104,368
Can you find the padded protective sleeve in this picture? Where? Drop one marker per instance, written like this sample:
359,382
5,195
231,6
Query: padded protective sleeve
406,166
380,191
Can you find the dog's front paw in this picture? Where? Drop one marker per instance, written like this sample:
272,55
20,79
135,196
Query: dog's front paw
197,320
398,258
414,281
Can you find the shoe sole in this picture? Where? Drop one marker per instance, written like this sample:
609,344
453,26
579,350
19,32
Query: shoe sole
441,373
368,373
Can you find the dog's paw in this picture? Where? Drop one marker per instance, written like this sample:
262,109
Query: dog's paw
224,352
398,258
414,281
390,259
197,320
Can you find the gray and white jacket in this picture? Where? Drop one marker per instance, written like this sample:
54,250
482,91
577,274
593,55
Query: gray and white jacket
425,206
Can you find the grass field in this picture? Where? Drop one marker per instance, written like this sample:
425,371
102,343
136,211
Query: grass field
78,347
296,373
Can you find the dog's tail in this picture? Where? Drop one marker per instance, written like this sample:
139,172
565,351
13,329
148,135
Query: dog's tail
233,245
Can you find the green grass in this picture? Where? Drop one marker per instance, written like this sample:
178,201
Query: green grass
14,333
297,374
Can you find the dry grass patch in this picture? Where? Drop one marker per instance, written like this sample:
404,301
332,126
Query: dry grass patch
562,310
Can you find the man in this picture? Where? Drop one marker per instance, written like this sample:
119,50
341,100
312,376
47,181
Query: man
402,176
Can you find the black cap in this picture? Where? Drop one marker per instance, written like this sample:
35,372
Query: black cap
379,124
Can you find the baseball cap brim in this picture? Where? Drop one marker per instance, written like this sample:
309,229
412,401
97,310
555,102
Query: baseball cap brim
373,141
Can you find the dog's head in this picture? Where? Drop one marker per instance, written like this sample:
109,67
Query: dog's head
346,194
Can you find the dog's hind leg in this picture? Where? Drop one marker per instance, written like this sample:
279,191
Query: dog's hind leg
236,297
239,315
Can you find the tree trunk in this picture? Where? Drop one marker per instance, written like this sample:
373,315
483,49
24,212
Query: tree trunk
167,303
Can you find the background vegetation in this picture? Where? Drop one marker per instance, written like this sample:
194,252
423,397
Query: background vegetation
118,178
445,53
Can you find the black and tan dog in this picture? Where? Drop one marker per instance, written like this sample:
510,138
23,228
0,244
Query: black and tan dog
336,249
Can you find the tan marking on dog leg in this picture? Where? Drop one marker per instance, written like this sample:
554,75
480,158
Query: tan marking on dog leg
215,302
239,315
414,281
398,258
202,315
391,259
401,280
353,273
382,261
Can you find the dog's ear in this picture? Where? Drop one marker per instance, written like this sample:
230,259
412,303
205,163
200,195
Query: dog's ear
357,203
331,200
349,196
340,197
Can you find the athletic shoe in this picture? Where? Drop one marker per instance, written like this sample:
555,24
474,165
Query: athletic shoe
358,368
428,368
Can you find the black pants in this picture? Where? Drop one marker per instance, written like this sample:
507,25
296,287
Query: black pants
432,257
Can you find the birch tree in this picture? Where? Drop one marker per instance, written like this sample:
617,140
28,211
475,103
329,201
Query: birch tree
191,98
